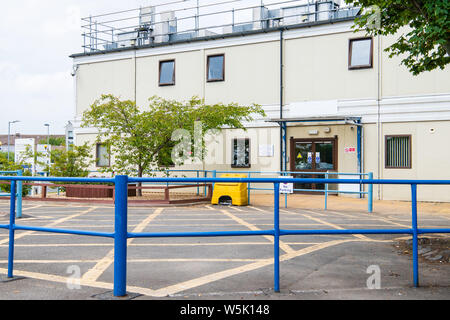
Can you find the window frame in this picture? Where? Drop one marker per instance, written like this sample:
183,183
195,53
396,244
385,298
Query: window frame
386,150
350,48
207,67
97,158
249,153
173,73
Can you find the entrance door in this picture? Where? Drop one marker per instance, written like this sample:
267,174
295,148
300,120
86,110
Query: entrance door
312,155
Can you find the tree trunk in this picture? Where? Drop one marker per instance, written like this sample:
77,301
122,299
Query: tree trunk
139,191
447,46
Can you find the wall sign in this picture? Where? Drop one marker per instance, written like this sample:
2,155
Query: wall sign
286,187
350,150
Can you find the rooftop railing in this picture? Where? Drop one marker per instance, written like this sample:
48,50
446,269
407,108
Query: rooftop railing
192,19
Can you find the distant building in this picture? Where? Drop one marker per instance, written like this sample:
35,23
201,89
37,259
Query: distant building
335,101
12,138
69,134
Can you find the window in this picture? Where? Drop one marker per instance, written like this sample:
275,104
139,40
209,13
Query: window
167,73
102,155
215,68
360,53
241,153
398,151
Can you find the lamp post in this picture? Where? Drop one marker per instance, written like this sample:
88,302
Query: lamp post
9,130
48,133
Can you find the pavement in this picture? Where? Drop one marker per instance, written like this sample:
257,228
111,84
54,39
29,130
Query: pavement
68,267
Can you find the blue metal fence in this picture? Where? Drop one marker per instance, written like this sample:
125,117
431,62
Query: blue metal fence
19,192
121,235
326,191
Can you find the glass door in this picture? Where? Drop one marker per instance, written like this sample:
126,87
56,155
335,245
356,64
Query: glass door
314,155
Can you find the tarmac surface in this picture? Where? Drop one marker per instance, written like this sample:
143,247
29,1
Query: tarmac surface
51,266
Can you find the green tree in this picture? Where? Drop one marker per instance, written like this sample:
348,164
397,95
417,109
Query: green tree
74,162
425,44
6,165
140,140
54,141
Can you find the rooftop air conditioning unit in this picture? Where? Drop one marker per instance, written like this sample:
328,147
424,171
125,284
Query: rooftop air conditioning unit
165,27
146,15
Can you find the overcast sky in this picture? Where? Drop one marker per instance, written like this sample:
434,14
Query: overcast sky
37,37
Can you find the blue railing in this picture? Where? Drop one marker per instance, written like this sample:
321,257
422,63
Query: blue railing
214,173
120,234
19,191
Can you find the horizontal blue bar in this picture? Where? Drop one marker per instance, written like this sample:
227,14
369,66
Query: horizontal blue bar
434,230
58,179
77,232
290,180
200,234
231,180
349,231
4,226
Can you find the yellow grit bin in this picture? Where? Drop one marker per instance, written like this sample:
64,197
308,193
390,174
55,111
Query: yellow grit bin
237,193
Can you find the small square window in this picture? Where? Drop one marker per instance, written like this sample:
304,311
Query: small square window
167,73
398,152
241,153
360,54
215,68
102,155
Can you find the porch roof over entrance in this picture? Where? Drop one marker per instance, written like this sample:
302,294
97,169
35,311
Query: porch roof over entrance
354,120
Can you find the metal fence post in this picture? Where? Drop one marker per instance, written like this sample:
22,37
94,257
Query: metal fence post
12,221
120,235
19,195
248,189
415,233
276,242
326,191
198,188
370,195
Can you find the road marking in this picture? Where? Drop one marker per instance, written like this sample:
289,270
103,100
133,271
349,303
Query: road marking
95,272
360,236
258,209
377,218
283,246
241,269
34,207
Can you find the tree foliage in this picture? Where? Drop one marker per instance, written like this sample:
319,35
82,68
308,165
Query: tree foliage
426,43
70,163
54,141
140,139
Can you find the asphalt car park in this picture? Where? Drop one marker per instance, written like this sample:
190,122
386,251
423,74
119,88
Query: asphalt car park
62,266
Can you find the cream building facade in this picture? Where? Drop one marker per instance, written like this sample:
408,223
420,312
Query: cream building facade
342,104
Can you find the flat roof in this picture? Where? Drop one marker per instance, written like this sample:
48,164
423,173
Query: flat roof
214,37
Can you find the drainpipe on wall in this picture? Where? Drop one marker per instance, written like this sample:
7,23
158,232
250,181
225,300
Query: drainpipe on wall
282,127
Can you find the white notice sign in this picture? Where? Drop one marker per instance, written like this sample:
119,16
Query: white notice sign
286,187
266,150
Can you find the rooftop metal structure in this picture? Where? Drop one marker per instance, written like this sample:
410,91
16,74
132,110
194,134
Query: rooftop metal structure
188,20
